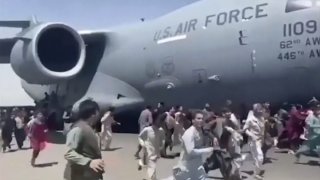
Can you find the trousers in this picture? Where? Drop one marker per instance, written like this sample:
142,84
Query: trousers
106,138
190,170
257,154
150,166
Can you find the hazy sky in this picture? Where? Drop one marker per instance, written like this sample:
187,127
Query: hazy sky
80,14
88,13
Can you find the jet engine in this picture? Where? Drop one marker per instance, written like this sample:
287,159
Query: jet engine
48,53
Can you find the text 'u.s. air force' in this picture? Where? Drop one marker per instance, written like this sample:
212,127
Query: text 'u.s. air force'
218,19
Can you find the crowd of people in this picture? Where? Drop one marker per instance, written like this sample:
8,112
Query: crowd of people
13,122
208,139
221,135
24,125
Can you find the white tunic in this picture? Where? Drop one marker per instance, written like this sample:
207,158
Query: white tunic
191,161
106,122
145,119
19,122
170,121
152,139
178,129
254,127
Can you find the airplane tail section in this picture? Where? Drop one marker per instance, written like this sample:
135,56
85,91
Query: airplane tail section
19,24
15,24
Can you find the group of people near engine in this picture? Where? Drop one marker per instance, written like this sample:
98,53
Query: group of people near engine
208,139
24,125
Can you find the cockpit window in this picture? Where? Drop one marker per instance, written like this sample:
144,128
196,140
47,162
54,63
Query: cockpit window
296,5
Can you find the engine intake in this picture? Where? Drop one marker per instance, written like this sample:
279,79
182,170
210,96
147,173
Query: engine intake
48,53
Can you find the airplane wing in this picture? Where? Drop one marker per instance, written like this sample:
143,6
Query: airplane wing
5,49
7,43
95,42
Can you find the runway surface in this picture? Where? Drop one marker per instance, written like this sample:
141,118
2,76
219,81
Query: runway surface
121,164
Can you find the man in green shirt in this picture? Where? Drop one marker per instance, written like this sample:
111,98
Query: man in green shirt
84,155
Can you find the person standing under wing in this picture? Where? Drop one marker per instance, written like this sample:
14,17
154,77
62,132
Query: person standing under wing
106,129
67,121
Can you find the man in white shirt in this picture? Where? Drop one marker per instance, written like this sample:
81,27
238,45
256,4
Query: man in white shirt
151,139
191,158
145,120
19,131
67,120
255,128
106,128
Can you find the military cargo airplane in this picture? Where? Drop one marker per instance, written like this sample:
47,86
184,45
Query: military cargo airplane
208,51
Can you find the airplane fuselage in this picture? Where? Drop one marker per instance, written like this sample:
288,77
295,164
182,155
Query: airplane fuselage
247,51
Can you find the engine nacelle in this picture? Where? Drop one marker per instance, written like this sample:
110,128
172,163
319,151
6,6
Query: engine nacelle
48,53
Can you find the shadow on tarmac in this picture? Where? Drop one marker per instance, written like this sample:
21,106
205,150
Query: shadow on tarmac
45,165
55,137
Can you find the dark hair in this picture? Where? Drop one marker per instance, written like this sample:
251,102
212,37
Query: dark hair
41,110
155,115
161,103
299,107
272,120
148,107
188,115
162,117
111,109
316,107
87,108
225,110
194,114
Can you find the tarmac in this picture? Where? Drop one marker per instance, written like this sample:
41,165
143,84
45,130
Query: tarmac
122,165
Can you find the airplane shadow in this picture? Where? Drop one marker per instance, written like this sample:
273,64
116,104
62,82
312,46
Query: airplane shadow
112,149
45,165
